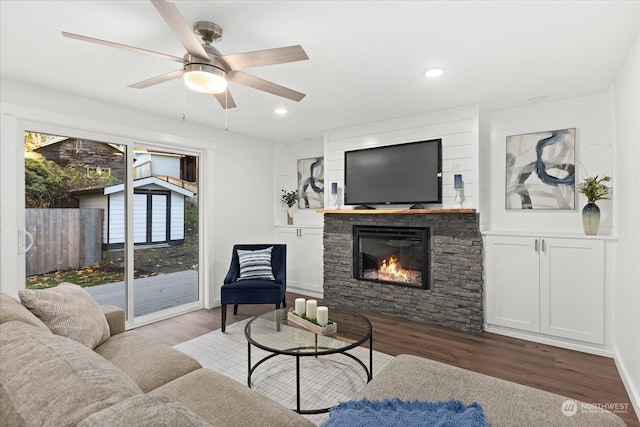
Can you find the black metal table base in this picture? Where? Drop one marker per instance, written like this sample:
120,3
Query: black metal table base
368,370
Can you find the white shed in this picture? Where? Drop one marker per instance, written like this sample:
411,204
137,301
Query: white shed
158,212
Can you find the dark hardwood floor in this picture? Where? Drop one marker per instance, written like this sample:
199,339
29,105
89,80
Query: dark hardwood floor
586,377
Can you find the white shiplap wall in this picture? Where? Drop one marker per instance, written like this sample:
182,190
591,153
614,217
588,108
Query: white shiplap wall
458,129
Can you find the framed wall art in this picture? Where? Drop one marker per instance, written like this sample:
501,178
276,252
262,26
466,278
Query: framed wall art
311,183
540,170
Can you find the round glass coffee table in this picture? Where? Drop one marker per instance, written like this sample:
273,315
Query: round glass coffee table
275,334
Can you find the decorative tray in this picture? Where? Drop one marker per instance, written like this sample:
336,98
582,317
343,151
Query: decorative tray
316,329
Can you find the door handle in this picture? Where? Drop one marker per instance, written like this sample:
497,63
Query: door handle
544,248
536,245
23,247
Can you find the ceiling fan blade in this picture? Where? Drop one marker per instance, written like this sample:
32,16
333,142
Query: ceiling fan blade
122,46
225,99
265,85
279,55
176,22
157,79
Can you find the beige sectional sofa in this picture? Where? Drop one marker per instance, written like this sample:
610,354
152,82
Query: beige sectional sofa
128,380
124,378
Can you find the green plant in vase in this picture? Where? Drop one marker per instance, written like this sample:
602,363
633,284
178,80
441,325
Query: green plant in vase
289,198
594,189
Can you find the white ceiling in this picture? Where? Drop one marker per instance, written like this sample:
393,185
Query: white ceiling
367,58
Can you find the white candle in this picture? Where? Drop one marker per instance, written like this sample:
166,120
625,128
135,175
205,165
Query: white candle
299,306
323,315
312,306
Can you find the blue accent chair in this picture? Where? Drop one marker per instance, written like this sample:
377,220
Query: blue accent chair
254,291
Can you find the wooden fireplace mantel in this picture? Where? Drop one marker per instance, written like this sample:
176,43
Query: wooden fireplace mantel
396,211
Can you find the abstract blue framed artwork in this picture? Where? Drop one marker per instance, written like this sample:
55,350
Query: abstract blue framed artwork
311,183
541,170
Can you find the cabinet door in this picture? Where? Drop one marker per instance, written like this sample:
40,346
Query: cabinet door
512,287
572,289
290,236
311,257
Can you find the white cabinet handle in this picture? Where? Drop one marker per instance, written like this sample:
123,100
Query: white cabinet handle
536,245
544,249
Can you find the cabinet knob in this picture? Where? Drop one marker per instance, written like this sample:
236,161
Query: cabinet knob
536,245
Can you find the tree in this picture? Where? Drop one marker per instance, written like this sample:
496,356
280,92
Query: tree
33,140
44,184
49,185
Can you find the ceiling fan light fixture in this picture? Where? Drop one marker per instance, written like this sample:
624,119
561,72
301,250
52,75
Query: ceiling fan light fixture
205,78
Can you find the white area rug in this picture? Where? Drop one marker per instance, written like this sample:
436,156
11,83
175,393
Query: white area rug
325,381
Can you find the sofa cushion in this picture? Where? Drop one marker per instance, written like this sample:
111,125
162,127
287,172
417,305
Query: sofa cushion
225,402
255,264
46,379
12,309
68,310
145,411
148,362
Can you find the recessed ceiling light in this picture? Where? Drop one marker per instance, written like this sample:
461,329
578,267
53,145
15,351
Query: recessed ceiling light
538,98
281,111
434,72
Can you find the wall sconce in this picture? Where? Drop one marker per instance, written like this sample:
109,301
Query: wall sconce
458,185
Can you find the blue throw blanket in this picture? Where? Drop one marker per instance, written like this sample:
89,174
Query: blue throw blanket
415,413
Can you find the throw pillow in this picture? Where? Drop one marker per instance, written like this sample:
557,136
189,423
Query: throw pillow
255,264
69,311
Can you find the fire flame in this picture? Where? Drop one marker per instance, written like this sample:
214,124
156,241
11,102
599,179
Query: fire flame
391,271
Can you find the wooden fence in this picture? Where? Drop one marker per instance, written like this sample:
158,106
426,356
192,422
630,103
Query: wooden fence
63,239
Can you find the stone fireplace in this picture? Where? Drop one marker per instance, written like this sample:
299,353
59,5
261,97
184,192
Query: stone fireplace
444,284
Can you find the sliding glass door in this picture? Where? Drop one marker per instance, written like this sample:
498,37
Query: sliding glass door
165,230
118,220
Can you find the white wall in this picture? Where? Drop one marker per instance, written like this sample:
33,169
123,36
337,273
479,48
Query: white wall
626,298
237,199
458,129
592,118
286,166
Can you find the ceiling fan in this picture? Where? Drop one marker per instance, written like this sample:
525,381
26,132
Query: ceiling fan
204,68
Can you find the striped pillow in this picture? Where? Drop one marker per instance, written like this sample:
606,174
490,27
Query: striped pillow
255,264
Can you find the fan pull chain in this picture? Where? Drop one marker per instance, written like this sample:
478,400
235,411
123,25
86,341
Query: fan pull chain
184,103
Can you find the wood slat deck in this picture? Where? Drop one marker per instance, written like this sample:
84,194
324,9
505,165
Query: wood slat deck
151,294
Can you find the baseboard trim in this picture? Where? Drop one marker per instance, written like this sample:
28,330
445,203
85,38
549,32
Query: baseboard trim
556,342
634,394
306,292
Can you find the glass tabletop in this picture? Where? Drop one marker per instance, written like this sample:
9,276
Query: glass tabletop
272,331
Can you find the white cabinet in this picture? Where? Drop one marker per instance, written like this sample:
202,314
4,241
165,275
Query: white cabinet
513,282
304,259
548,285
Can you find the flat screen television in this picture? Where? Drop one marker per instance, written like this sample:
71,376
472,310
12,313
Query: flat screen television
409,173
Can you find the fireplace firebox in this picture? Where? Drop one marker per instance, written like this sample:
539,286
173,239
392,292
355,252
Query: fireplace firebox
395,255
